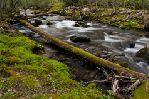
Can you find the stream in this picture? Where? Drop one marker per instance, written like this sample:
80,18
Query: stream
104,39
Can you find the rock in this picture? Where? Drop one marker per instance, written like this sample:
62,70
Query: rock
131,44
49,23
35,22
143,53
79,39
85,11
81,24
38,22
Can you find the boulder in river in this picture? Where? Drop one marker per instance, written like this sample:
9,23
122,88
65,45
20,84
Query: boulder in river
143,53
80,39
131,44
38,22
49,23
35,22
81,24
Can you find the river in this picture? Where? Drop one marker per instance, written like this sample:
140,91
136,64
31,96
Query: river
104,38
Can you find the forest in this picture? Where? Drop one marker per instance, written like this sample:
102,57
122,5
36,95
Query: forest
74,49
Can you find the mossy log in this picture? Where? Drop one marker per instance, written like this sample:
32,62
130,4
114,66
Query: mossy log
86,55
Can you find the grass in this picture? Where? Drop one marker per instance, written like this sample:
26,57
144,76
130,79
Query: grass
142,92
24,74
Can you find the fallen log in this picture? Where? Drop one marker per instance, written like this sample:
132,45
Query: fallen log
86,55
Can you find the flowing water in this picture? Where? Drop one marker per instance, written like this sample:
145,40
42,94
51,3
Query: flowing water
103,38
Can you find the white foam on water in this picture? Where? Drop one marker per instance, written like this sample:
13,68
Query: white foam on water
135,49
143,65
65,23
43,26
140,43
113,38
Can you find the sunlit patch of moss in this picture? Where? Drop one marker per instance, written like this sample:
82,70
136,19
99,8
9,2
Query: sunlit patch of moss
142,92
135,24
88,92
45,96
24,82
57,6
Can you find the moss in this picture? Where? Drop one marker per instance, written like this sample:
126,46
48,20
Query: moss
57,6
24,74
83,93
142,92
105,16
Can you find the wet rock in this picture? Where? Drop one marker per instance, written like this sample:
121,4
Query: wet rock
38,49
81,24
105,54
80,39
143,53
38,22
131,44
49,23
35,22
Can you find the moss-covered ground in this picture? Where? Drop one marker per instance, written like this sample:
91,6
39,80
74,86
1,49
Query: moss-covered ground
118,19
142,92
24,74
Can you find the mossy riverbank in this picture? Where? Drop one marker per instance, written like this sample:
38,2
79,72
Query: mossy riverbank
124,18
24,74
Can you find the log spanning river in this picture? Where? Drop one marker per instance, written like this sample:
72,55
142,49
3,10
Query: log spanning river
105,40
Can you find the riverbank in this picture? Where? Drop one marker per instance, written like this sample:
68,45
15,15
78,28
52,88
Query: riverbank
25,74
123,18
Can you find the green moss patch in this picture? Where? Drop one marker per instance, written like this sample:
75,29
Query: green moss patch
142,92
24,74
